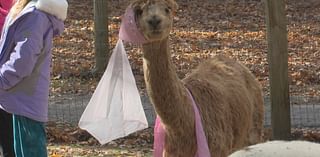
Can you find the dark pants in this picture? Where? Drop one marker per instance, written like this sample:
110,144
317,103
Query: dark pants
6,134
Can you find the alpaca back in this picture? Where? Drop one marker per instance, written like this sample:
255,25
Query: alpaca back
230,102
280,149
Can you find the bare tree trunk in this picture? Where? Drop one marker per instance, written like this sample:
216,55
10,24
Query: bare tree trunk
101,43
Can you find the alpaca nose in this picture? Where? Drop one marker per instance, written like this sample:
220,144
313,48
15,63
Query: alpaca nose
154,22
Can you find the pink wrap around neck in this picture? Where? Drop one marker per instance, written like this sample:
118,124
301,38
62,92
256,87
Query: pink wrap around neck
202,144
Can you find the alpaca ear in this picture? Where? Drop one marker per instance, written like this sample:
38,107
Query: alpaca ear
135,3
137,6
174,6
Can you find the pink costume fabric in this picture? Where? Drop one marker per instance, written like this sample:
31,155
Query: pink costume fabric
159,135
5,6
129,31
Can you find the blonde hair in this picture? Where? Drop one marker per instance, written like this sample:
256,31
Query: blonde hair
17,7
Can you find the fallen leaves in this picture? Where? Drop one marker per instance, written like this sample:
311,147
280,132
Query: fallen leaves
308,134
202,29
70,141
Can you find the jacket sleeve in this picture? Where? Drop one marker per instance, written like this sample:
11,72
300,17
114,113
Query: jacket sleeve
28,38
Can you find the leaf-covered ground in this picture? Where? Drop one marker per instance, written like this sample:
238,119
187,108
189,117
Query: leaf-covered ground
68,141
202,29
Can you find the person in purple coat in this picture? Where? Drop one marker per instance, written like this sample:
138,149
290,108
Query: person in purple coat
25,58
5,6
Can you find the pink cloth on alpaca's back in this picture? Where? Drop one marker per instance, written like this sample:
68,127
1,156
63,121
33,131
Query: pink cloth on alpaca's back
5,6
202,144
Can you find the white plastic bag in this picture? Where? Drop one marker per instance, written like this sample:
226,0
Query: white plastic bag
115,109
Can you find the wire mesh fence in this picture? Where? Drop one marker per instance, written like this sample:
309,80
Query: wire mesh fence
305,112
70,108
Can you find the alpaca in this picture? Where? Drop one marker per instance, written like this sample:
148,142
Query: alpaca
227,95
280,149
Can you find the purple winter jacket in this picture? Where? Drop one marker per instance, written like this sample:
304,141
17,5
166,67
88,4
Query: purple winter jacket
25,59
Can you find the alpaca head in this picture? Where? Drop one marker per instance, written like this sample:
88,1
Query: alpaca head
154,17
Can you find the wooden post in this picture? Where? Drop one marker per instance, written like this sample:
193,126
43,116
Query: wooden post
101,43
278,68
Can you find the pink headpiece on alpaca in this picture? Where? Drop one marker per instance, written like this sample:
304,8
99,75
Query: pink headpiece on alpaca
129,31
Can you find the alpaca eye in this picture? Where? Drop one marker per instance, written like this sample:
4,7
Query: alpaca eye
139,11
168,10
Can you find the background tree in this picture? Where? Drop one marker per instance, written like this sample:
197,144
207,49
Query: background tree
101,42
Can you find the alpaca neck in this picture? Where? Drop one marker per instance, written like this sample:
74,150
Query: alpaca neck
165,89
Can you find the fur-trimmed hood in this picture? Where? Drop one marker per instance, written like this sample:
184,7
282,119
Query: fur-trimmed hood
57,8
